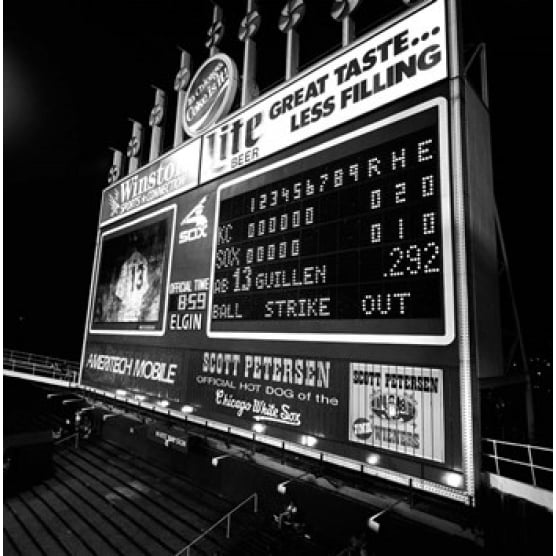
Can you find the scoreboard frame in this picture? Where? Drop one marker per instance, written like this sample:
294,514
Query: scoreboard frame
441,105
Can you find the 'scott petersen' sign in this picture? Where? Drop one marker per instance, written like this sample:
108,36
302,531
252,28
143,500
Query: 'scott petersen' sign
397,61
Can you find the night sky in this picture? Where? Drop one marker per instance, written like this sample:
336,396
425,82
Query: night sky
75,71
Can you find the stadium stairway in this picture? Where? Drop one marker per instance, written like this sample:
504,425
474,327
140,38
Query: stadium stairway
104,500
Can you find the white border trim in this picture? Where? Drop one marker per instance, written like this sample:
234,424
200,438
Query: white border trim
460,253
444,160
164,294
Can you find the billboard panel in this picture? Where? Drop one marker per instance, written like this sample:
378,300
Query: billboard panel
292,393
165,177
397,408
386,65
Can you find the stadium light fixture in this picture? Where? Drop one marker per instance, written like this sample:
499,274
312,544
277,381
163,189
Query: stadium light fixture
72,400
217,459
453,480
187,409
308,440
281,487
373,524
372,459
55,395
107,416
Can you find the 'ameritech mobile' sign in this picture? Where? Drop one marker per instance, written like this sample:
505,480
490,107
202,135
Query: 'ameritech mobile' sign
394,62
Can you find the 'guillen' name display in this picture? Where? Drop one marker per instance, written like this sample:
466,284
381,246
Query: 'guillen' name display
352,245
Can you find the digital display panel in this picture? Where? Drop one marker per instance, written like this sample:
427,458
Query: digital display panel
349,241
132,274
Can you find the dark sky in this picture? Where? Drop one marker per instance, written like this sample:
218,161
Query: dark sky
75,71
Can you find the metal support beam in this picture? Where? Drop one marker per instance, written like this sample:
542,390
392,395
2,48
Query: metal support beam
290,17
292,54
180,86
134,146
480,52
348,31
216,31
524,362
156,120
116,170
249,26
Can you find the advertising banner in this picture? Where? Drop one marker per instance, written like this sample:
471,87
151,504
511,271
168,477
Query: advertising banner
153,183
141,371
397,408
297,393
392,63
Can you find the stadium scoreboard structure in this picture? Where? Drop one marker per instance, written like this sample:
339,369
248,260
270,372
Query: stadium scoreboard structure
297,273
354,247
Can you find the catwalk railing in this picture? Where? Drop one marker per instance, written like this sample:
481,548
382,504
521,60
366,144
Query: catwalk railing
227,518
41,366
521,462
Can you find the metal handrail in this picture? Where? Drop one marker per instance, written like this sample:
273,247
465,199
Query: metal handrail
507,443
517,462
41,365
529,463
74,435
227,517
23,355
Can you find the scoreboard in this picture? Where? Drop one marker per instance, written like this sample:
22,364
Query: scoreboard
356,247
300,276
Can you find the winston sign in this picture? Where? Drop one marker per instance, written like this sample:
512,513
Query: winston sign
151,184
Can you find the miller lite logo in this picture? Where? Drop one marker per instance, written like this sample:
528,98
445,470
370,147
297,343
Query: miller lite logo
198,220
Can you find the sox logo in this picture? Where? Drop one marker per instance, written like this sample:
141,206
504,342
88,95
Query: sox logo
199,222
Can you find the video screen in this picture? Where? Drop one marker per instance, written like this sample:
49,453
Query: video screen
130,285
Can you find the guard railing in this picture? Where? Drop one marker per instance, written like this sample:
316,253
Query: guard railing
521,462
41,365
226,518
